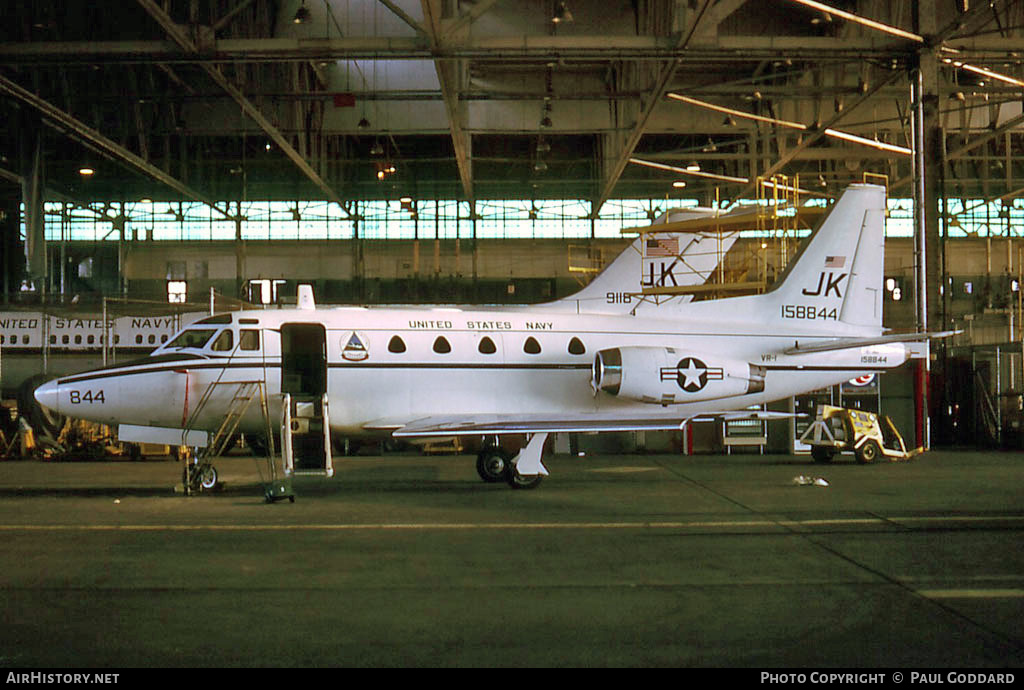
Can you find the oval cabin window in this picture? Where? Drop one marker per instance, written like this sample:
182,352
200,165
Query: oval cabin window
442,346
576,347
487,346
396,345
531,346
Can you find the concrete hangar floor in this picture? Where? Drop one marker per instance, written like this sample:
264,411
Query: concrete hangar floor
705,561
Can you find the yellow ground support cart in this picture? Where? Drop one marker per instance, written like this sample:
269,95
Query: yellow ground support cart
869,436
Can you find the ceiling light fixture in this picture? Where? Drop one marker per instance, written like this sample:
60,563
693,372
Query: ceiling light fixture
723,178
302,14
863,21
562,14
984,72
838,134
86,171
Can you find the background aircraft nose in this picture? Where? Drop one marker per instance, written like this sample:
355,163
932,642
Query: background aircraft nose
47,396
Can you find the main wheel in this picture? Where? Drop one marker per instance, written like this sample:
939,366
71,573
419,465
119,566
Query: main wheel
491,464
868,453
521,481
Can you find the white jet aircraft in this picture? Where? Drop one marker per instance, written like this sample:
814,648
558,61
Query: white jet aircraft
589,363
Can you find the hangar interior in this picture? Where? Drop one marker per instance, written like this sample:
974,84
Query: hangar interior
457,151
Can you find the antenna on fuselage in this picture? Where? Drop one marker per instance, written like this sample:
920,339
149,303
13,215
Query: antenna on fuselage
305,297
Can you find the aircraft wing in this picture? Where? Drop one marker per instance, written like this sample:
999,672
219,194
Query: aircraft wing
847,343
468,425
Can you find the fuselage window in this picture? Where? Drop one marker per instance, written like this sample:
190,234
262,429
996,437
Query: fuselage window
65,339
224,342
487,346
53,340
78,340
531,346
576,347
397,345
249,340
442,346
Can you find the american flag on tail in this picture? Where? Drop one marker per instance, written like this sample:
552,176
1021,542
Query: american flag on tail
663,247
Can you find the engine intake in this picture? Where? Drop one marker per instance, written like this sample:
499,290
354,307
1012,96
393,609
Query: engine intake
666,376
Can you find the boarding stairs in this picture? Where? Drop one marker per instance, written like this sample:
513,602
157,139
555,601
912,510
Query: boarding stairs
306,435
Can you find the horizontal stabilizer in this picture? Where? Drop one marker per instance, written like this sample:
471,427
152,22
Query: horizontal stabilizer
847,343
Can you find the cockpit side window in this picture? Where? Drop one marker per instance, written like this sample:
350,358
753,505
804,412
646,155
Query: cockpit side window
249,340
193,337
225,342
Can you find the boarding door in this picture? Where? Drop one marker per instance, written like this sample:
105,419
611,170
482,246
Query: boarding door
305,428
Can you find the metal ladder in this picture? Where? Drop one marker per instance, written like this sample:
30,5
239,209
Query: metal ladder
306,422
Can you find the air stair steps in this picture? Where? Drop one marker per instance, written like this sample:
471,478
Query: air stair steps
306,436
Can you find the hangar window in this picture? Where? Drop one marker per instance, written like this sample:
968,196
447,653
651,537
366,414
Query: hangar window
396,345
442,346
531,346
486,346
576,347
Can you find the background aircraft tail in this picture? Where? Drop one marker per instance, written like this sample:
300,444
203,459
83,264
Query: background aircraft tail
670,258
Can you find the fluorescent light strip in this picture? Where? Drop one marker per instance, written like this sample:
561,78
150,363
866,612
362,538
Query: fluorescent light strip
868,142
984,72
871,23
874,143
684,171
737,113
724,178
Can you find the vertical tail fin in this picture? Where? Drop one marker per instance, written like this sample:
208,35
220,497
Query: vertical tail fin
685,259
837,276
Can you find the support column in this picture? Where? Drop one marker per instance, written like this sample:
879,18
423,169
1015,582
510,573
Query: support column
928,194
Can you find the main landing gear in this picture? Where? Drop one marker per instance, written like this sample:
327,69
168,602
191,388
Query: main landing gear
524,471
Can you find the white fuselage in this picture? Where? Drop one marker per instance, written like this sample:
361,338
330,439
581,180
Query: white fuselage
386,367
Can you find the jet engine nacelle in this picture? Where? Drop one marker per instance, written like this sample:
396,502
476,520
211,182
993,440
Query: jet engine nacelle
666,376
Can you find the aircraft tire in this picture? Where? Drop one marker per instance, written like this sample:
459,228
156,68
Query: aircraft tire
868,453
521,481
822,454
491,464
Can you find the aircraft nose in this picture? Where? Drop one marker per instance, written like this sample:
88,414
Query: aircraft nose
47,396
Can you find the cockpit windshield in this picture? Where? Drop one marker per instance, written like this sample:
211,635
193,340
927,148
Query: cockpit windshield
193,337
